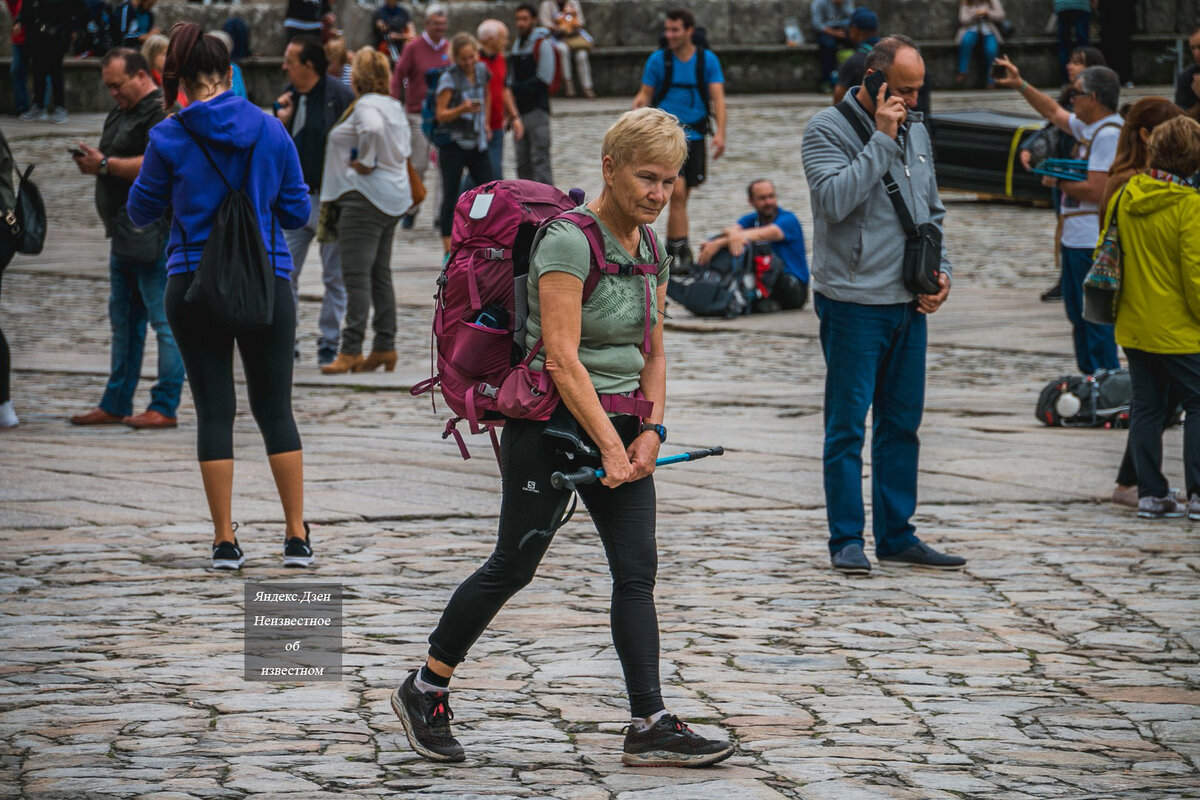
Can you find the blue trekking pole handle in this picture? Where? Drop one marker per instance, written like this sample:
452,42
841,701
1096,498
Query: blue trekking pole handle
589,475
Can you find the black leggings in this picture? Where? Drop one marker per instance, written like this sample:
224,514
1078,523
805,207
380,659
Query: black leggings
46,55
452,159
624,517
5,363
207,352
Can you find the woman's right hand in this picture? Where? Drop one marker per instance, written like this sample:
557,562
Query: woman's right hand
617,468
1012,77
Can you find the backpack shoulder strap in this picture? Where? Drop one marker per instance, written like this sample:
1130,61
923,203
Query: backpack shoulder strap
701,84
893,188
599,261
207,155
668,77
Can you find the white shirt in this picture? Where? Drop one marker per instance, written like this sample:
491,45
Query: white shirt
378,128
1081,221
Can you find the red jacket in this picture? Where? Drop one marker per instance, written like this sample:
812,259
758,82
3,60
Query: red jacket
14,8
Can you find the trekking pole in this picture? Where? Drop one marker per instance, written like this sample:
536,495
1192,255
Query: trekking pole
588,475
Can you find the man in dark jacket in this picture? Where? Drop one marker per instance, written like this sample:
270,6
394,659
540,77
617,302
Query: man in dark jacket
531,65
308,108
137,268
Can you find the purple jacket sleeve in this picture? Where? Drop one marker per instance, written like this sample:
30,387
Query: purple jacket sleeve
151,192
292,205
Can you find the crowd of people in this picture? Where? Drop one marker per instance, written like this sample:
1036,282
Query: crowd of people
341,158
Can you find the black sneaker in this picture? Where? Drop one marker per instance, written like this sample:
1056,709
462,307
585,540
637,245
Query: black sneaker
670,743
298,552
1053,294
326,356
227,555
426,718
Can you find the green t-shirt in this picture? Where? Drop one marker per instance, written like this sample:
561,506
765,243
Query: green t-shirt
613,322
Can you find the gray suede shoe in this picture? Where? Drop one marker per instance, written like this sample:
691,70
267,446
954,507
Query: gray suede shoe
851,560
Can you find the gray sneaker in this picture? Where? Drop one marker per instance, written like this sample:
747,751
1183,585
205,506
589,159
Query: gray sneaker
34,114
1194,507
58,116
1167,507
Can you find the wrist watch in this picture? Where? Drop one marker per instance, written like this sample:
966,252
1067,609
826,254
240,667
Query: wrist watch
661,430
103,168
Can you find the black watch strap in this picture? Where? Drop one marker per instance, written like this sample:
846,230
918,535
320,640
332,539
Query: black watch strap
661,430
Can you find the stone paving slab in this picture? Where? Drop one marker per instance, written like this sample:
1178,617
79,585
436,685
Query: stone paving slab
1063,663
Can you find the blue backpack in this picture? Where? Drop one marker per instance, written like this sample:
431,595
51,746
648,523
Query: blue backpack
438,135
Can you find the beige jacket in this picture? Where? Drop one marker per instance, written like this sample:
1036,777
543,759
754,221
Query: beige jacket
968,20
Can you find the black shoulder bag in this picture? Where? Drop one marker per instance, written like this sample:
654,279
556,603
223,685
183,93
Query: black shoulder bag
235,279
923,243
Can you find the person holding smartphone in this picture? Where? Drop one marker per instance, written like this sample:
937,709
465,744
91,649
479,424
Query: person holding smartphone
462,94
873,328
137,255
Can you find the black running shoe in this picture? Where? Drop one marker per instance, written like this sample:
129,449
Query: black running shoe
227,555
670,743
298,552
426,718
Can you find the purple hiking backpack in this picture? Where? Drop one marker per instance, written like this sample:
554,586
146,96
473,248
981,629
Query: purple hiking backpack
480,310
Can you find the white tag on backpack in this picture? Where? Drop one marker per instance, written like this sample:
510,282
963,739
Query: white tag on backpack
479,208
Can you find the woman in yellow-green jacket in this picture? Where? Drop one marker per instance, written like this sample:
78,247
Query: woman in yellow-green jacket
1158,318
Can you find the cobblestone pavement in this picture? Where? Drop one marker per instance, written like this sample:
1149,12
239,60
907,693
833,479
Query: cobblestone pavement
1061,664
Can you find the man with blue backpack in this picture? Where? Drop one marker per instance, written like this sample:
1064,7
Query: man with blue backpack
684,78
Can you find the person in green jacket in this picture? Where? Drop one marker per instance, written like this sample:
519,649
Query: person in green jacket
1158,315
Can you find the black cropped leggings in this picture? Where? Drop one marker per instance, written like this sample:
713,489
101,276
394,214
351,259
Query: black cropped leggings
5,363
207,351
624,517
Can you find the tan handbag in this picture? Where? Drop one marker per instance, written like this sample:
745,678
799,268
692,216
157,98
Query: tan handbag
415,185
578,42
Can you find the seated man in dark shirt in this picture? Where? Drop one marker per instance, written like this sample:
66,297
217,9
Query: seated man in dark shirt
863,34
393,28
773,225
1187,84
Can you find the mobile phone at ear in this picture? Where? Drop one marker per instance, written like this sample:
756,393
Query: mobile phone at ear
873,82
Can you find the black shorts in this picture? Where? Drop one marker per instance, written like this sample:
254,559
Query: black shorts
693,168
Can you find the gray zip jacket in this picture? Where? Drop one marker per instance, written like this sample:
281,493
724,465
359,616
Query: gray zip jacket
858,242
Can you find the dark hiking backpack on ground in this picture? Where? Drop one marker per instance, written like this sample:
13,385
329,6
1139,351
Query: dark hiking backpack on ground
235,279
729,287
482,366
700,42
1099,400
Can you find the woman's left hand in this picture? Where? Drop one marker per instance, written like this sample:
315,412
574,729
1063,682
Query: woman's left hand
643,452
361,168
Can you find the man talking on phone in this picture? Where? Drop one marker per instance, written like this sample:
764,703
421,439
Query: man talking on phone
872,325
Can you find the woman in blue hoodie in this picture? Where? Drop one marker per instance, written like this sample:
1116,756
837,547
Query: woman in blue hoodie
252,149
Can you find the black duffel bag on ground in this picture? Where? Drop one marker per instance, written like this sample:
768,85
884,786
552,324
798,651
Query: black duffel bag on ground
729,286
1099,400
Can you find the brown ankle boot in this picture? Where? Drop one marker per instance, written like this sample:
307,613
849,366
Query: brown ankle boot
386,358
342,364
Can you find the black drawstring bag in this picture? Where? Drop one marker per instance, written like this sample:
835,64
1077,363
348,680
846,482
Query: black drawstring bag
234,281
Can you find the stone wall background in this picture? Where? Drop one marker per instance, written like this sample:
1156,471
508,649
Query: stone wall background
636,23
747,34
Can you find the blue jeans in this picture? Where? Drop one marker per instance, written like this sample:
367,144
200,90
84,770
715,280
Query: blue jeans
827,47
1071,22
135,298
966,49
496,154
1095,345
19,71
874,357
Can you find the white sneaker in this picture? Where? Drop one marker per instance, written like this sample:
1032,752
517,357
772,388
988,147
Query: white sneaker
8,417
34,114
58,116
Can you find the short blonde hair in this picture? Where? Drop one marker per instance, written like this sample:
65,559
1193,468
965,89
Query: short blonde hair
1175,147
335,52
154,46
369,72
647,135
460,41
